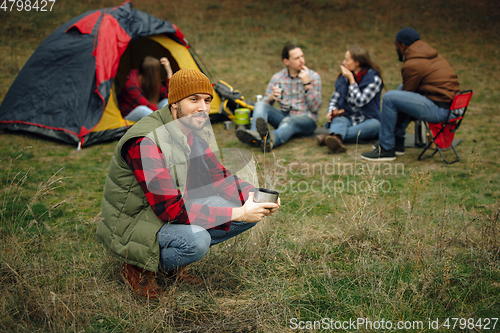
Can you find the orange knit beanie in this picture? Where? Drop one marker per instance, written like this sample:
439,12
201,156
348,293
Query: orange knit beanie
187,82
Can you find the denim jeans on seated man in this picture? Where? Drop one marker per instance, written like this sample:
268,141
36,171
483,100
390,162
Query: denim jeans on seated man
365,130
285,126
143,111
397,108
181,244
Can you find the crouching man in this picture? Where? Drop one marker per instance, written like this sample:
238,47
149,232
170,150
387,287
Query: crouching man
167,198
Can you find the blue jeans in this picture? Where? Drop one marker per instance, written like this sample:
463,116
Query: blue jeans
368,129
143,111
285,126
181,244
397,108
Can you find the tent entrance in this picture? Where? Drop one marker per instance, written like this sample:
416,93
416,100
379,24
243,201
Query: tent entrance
156,46
131,59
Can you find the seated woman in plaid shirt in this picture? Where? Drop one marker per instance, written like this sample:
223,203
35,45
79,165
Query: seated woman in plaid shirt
143,91
354,109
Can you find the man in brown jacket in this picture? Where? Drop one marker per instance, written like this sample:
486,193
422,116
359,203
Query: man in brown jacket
429,86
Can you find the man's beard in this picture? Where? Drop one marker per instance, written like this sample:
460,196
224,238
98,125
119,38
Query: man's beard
401,56
192,121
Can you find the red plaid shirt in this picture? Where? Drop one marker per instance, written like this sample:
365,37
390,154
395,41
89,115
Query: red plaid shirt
167,201
132,95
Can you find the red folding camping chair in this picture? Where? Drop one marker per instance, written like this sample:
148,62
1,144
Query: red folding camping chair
442,134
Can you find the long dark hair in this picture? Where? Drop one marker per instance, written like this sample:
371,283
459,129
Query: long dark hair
149,72
360,55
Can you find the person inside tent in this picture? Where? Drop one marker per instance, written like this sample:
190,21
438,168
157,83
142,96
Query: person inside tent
143,91
354,109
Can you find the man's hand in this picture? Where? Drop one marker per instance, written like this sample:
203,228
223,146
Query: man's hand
334,113
276,95
254,212
273,210
304,75
164,61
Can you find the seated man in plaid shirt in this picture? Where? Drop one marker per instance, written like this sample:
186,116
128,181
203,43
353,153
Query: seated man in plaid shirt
297,89
167,197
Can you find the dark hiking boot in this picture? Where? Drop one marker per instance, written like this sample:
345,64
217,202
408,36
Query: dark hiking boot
262,127
249,137
268,143
268,137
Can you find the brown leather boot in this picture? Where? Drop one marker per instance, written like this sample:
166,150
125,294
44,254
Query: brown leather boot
181,275
320,139
142,282
334,143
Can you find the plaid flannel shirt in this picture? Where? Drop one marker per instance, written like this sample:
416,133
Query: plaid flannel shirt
165,198
132,95
357,99
296,100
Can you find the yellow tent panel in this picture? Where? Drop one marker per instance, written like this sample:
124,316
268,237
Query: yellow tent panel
112,117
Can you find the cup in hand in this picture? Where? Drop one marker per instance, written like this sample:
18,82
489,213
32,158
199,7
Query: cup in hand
265,195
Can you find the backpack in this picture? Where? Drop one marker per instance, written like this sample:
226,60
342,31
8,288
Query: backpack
231,100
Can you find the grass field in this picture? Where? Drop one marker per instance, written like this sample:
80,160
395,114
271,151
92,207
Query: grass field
410,241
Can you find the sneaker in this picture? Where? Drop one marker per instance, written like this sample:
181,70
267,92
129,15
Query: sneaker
335,144
320,139
399,148
268,142
249,137
262,127
142,282
379,154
